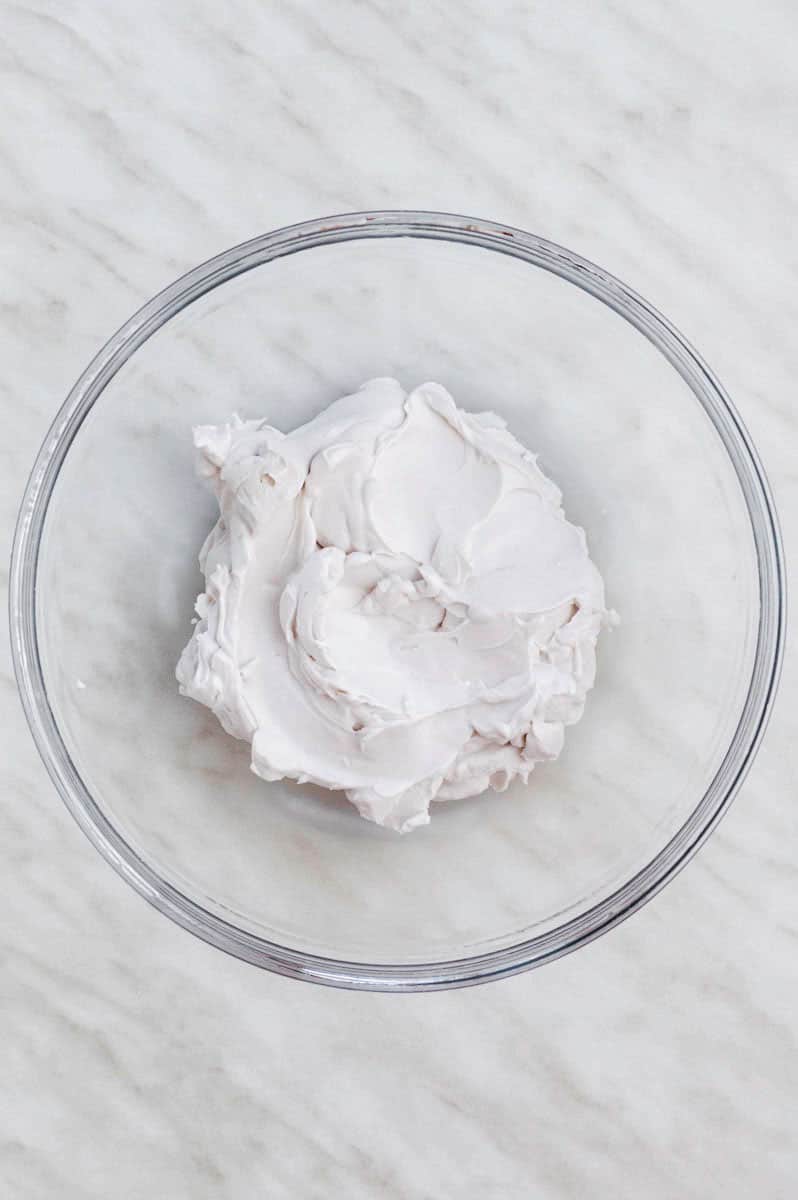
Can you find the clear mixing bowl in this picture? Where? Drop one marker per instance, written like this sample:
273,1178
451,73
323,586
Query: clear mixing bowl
653,462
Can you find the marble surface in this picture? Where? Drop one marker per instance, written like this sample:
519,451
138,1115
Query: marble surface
656,139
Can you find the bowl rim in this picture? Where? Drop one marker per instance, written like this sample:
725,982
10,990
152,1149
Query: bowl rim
636,891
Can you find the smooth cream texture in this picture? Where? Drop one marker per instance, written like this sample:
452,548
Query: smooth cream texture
395,604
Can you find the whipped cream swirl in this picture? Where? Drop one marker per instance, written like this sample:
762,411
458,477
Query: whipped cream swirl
395,605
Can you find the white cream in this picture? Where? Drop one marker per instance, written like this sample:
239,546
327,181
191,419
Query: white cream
395,604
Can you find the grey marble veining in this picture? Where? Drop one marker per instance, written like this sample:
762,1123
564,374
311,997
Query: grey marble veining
657,139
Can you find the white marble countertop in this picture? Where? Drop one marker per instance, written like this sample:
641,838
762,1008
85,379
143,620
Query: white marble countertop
657,139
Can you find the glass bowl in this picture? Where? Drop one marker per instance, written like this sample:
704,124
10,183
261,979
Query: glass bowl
653,461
